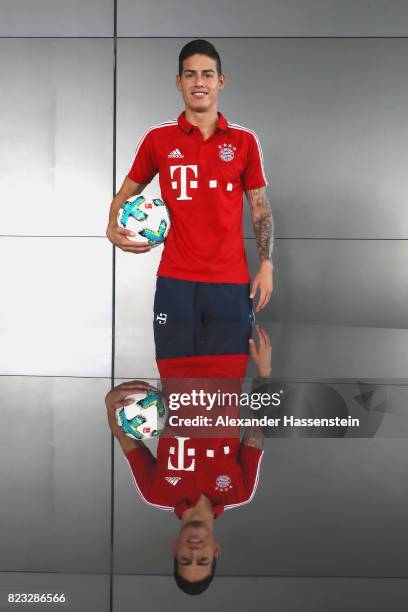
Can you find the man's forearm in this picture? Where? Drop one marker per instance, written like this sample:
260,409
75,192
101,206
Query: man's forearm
262,221
127,444
253,436
114,208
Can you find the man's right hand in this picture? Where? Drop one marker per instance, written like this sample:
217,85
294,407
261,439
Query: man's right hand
115,399
118,236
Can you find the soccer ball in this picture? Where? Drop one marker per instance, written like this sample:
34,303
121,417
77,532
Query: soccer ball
148,218
145,418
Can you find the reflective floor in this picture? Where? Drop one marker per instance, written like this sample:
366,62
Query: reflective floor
327,518
92,592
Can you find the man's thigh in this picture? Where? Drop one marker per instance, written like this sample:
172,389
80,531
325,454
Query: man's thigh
193,318
175,317
175,300
226,302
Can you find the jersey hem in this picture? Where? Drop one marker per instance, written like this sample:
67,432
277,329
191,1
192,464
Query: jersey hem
206,279
257,186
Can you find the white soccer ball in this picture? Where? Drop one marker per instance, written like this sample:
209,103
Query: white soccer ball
145,417
147,217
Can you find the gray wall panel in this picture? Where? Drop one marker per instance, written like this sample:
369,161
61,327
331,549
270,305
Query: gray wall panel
56,146
262,18
146,71
135,287
56,18
56,316
338,282
330,114
55,508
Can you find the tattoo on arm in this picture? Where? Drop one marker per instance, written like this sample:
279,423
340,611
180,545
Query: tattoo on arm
262,221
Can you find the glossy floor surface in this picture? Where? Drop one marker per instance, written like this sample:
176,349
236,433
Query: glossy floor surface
328,515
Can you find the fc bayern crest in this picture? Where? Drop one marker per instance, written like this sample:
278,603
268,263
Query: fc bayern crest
223,482
226,152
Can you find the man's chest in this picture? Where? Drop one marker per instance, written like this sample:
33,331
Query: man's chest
208,464
190,167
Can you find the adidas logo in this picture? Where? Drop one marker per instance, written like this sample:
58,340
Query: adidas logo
175,153
173,479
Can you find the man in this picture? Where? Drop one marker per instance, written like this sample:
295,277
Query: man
205,163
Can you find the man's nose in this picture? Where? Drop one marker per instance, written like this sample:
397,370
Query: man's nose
199,81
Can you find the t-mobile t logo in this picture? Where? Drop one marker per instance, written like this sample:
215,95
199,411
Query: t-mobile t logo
184,171
180,465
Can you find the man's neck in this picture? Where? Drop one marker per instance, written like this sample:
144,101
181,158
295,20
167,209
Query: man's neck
206,122
202,511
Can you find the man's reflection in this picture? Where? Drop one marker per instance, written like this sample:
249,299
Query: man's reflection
197,479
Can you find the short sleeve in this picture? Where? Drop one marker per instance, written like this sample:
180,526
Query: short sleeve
250,461
254,175
142,464
144,166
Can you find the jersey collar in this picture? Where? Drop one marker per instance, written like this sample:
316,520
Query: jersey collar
186,126
189,502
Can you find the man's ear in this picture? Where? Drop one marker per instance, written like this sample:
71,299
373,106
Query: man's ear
222,81
217,551
178,84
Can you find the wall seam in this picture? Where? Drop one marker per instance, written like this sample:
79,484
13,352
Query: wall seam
112,475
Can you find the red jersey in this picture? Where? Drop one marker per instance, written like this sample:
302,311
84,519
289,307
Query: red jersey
202,183
211,374
204,366
223,469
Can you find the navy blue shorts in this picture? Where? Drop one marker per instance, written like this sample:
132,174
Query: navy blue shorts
194,318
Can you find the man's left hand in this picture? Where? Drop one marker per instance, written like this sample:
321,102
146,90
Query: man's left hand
264,283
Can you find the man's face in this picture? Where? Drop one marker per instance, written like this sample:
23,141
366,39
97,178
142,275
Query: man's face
195,549
200,83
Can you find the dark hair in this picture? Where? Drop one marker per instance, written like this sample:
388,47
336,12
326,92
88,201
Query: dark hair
197,587
202,47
